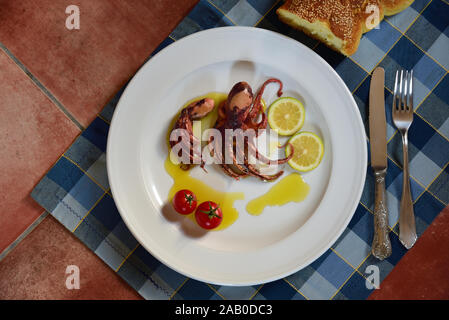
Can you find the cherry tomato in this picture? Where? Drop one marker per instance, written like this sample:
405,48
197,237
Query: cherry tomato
208,215
184,201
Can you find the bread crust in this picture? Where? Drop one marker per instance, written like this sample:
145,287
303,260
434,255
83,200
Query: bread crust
392,7
338,23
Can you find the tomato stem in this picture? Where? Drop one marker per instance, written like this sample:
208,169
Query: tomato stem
211,212
189,198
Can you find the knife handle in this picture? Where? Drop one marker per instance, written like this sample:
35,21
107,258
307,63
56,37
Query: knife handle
381,247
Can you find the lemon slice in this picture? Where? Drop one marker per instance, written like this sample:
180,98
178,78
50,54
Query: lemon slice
286,116
308,151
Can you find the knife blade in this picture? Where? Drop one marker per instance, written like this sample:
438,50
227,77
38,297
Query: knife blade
377,121
381,247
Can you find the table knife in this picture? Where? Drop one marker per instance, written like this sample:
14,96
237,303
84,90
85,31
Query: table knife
381,246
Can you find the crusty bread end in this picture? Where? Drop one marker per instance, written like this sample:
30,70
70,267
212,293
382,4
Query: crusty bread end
337,23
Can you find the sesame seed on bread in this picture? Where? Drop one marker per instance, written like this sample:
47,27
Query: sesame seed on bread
338,23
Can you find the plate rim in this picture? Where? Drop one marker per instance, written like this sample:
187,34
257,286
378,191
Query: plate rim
363,154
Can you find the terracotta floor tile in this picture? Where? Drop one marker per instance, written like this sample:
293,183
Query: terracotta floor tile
84,68
36,268
33,134
423,272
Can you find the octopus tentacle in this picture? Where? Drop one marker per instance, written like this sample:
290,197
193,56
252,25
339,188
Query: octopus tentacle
241,153
240,111
215,151
259,156
194,111
231,172
230,150
263,123
257,106
255,172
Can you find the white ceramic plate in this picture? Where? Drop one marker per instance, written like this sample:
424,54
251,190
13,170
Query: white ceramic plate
255,249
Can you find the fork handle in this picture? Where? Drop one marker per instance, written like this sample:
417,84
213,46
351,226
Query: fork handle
407,228
381,247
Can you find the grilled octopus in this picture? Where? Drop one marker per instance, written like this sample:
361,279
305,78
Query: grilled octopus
194,111
241,110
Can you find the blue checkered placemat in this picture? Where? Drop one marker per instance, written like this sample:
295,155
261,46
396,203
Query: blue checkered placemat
76,190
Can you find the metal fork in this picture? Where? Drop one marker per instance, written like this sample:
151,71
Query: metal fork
403,118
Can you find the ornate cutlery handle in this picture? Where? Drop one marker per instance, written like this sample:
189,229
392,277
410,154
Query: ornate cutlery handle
407,228
381,247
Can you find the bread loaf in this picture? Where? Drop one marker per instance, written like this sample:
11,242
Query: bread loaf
338,23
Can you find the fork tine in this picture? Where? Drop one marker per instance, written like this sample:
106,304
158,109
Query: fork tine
410,92
395,92
401,84
404,93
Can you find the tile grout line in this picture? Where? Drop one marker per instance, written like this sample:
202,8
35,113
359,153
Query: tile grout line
23,235
38,220
2,254
40,86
